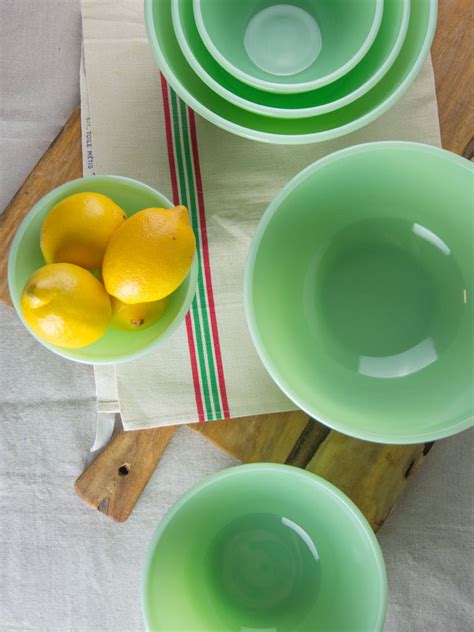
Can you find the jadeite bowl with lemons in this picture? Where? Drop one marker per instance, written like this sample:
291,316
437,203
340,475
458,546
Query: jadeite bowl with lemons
78,257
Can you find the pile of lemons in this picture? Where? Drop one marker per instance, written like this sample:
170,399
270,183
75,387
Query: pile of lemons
103,269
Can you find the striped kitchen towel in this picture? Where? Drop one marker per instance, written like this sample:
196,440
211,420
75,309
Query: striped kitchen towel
135,125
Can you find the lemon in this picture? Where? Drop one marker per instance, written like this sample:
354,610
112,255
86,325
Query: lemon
149,256
65,305
78,229
137,316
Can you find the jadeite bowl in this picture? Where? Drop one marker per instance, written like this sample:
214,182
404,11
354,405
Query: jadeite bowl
347,89
234,119
25,257
359,292
288,47
264,547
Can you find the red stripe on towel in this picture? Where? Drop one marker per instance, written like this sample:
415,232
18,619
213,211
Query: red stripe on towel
207,265
174,186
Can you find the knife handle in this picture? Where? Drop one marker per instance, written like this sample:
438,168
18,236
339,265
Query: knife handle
115,480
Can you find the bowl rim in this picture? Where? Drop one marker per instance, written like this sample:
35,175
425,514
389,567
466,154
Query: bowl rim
281,112
265,357
63,189
288,88
279,138
320,484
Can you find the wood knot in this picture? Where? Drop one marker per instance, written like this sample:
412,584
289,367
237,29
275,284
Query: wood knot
104,506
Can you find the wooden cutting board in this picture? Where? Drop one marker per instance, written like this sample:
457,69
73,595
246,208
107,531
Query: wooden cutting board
373,475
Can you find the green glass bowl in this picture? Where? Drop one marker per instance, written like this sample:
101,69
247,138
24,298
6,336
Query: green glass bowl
25,257
347,89
288,47
264,547
359,292
234,119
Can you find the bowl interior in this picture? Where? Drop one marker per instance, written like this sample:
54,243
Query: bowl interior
316,128
366,73
287,43
25,257
264,547
360,285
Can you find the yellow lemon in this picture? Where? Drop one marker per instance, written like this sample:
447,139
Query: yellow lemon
65,305
137,316
150,255
78,229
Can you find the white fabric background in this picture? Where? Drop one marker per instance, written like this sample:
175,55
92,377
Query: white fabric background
64,567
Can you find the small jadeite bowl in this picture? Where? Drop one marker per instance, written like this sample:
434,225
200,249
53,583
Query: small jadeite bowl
368,72
264,547
25,257
204,101
288,47
359,291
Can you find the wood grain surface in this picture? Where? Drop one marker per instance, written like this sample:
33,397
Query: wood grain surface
116,479
453,61
373,475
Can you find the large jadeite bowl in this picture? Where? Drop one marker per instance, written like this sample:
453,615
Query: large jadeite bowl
264,547
288,47
234,119
368,72
25,257
359,291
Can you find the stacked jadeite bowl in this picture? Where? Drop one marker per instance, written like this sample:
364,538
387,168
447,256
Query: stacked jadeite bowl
290,72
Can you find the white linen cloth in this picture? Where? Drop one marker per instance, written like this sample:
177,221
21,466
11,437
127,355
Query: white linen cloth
65,568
